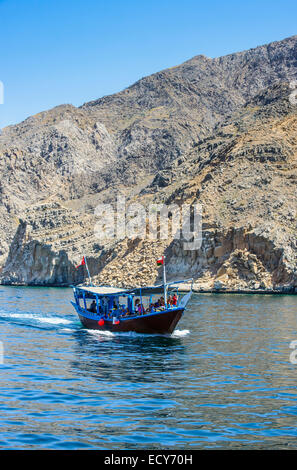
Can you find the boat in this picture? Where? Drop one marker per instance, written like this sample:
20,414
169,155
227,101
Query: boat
140,309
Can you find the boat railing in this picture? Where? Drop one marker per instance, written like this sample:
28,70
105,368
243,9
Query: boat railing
182,302
169,287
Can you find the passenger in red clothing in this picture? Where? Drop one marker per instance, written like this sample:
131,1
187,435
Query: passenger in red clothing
174,300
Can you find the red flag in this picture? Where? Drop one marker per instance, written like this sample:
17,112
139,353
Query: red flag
160,260
83,261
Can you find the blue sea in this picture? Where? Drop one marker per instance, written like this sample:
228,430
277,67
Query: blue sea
223,380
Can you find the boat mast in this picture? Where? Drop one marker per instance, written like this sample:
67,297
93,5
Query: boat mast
90,281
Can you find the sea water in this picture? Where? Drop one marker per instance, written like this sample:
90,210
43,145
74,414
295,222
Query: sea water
224,379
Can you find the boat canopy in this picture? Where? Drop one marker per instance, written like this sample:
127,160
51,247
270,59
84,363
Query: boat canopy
104,291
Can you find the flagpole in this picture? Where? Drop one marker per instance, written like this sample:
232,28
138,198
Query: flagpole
90,281
164,281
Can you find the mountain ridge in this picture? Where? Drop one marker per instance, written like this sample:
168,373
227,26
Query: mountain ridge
68,159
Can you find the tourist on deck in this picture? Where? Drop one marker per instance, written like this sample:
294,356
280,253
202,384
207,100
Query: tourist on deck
137,303
157,304
151,308
174,300
125,312
140,309
93,307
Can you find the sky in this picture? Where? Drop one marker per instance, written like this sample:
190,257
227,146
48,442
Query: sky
73,51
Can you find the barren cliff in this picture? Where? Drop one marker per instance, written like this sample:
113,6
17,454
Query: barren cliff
220,132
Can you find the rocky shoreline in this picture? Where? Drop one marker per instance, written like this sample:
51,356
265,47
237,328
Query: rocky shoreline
185,288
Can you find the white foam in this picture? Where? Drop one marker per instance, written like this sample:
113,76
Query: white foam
31,316
175,334
180,333
100,333
53,320
18,315
129,334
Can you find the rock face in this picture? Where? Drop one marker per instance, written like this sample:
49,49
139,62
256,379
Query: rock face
221,132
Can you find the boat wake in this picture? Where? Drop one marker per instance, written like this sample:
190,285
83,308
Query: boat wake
133,334
35,320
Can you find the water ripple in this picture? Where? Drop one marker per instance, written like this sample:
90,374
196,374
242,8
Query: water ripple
222,380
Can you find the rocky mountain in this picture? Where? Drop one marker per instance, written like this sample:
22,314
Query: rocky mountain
220,132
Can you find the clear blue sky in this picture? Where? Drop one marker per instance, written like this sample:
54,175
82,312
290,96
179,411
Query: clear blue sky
73,51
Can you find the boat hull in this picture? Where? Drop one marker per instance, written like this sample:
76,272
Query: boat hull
155,323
